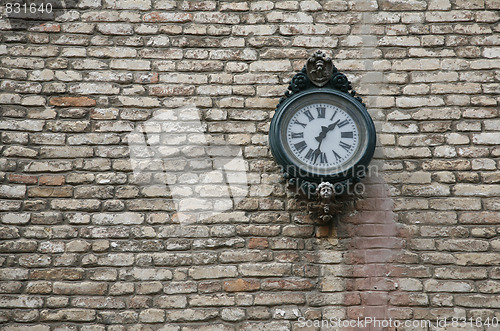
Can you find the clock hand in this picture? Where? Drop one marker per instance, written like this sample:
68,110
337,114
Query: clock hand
333,125
322,135
325,130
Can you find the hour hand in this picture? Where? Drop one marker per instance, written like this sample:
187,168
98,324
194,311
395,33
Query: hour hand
325,130
322,135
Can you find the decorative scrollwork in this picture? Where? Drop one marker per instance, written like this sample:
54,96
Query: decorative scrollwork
340,82
299,82
319,71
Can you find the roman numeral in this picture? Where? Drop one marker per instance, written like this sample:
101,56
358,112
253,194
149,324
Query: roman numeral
337,157
349,134
343,123
297,122
333,115
298,135
309,115
321,112
345,146
322,158
300,146
310,155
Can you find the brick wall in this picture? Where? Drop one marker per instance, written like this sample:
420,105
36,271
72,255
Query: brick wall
87,244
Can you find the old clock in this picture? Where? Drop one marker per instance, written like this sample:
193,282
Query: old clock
322,132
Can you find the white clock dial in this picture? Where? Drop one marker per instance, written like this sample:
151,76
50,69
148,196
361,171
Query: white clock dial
321,135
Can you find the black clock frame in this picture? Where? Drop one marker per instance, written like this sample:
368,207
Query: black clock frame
300,86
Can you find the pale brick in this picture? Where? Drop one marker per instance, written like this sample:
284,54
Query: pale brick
130,65
281,65
486,138
66,152
447,286
320,42
399,41
12,191
211,272
191,315
449,16
268,269
279,299
414,102
257,30
279,16
152,316
416,64
261,5
24,125
128,4
105,52
476,190
21,301
214,17
71,314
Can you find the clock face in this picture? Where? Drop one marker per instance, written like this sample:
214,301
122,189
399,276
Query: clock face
322,135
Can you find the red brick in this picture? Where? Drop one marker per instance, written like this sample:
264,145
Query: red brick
22,179
379,255
47,27
374,298
376,230
241,285
57,274
374,284
378,312
209,287
370,270
370,256
375,190
355,312
375,204
377,242
351,299
72,102
370,216
258,243
52,180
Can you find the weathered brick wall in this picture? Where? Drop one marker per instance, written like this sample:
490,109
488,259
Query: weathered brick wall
89,245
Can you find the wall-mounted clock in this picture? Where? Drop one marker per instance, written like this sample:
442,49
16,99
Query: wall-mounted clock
320,131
